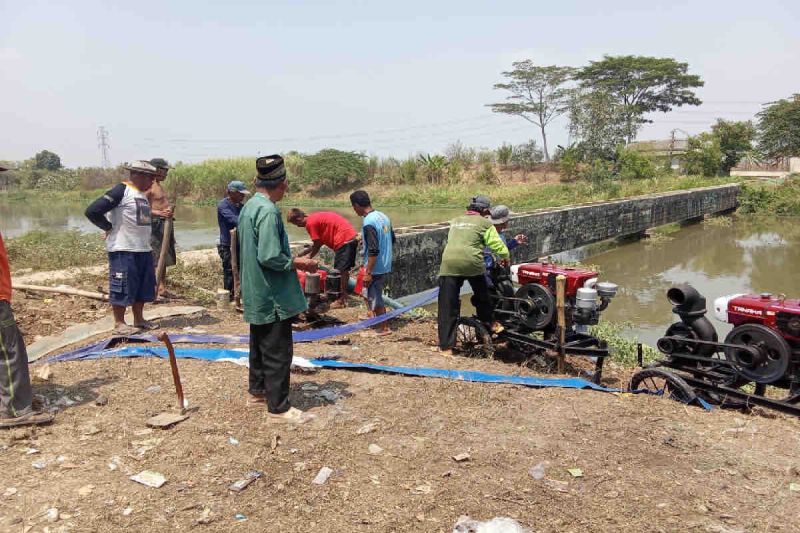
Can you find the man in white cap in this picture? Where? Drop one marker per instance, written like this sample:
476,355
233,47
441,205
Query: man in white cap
228,210
132,278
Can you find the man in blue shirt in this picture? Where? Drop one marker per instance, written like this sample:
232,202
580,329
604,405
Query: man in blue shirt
378,236
228,210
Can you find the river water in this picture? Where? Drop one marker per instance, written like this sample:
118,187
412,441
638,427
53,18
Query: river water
195,226
748,255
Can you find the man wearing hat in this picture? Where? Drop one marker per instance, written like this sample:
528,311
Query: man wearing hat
271,291
228,210
161,210
16,395
462,260
132,279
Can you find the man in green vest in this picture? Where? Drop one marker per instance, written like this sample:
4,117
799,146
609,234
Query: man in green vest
462,260
271,292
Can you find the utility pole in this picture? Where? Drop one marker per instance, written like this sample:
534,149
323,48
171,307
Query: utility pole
102,143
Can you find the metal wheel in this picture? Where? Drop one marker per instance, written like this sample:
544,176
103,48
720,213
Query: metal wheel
473,339
723,400
663,383
774,353
535,306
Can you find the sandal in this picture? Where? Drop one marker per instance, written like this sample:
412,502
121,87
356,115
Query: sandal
147,325
34,418
254,400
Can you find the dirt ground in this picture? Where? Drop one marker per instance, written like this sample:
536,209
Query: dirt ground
646,464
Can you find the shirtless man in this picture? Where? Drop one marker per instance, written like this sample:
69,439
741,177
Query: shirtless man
161,210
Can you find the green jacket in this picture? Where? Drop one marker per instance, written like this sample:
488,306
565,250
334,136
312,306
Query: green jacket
270,289
468,236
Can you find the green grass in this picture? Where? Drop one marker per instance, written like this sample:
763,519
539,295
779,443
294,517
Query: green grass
770,198
49,250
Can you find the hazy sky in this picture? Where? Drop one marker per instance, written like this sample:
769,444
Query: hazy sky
188,80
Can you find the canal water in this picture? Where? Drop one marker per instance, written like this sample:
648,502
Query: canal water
195,226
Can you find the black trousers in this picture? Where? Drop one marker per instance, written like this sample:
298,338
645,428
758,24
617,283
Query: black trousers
450,305
227,270
16,394
270,361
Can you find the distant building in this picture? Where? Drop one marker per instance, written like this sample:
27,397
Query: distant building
671,150
748,168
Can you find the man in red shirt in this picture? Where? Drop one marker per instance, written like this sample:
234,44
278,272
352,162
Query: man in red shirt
334,231
16,395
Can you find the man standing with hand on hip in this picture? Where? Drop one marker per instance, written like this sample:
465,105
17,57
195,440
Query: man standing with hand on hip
271,291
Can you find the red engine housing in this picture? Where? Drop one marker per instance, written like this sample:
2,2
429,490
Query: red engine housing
540,273
782,315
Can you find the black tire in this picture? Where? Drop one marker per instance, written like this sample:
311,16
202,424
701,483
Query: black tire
663,383
473,339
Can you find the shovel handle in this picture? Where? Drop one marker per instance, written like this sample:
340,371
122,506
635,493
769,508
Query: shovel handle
173,363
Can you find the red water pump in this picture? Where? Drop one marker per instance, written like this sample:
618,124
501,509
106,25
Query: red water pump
762,350
529,317
535,303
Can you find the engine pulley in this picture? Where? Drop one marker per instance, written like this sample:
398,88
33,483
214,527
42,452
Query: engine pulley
772,353
535,306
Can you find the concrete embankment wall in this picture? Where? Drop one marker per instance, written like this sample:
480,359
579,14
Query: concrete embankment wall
418,251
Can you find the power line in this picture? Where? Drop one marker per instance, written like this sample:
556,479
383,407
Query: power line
102,143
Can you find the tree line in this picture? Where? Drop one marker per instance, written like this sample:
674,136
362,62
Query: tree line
608,101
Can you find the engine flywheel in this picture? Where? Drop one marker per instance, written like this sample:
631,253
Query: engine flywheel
772,358
535,306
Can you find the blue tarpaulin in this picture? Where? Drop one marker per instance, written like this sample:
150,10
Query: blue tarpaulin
218,354
300,336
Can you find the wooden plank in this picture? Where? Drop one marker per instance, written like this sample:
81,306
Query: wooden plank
81,332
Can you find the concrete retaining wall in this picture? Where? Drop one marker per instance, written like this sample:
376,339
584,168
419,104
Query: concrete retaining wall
419,248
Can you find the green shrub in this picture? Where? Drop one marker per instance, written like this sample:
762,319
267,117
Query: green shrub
331,169
409,169
433,166
634,165
486,174
704,155
569,161
782,199
599,172
623,351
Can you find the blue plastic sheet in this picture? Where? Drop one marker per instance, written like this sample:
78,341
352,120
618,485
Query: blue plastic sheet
216,354
466,375
300,336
